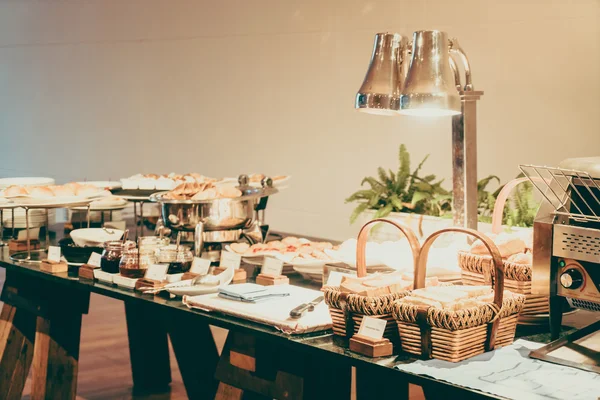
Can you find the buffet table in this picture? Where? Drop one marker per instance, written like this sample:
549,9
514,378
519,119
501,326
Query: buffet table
44,311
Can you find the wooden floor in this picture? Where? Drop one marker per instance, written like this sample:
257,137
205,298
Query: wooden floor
104,368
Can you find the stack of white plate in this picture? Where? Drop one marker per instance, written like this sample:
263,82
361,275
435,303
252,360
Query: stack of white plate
37,218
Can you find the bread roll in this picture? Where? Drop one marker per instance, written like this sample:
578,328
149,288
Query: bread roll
208,194
87,190
229,192
521,258
239,248
507,245
42,192
15,191
63,191
420,301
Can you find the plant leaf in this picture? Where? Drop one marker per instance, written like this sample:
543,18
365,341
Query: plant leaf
360,195
357,211
418,196
395,201
403,169
383,176
384,211
482,184
416,171
373,182
374,199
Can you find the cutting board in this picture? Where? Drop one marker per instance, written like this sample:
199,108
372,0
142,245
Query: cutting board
275,312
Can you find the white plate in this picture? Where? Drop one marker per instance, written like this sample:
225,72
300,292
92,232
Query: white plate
310,263
311,274
94,237
45,200
110,185
28,181
105,205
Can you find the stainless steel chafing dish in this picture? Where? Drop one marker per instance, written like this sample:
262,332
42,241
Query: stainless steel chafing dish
566,246
218,220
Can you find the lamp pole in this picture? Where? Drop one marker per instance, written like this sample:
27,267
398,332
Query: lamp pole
464,161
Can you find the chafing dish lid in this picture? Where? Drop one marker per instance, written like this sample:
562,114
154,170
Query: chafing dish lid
591,165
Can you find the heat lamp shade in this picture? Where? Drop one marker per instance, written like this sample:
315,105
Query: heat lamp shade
430,86
381,88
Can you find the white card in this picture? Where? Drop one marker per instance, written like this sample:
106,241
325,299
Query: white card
272,266
157,272
372,327
120,225
94,259
34,233
335,278
200,266
230,259
54,253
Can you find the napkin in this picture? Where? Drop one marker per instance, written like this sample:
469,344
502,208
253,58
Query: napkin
251,292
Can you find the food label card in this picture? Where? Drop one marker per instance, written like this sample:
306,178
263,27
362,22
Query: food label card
94,259
272,266
54,253
34,234
230,260
372,327
200,266
157,272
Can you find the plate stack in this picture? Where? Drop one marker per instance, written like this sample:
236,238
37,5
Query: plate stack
37,217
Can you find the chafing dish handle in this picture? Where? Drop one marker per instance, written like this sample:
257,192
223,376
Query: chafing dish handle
198,239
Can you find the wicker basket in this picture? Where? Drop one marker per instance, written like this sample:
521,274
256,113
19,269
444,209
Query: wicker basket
477,269
347,309
457,335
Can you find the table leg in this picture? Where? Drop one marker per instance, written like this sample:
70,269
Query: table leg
56,356
260,369
17,335
556,304
374,380
197,358
148,349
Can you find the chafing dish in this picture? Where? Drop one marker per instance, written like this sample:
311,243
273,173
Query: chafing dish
215,215
218,220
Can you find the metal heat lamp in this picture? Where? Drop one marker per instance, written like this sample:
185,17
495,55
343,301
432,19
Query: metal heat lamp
421,78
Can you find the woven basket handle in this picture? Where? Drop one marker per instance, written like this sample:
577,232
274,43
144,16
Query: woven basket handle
501,201
361,245
491,246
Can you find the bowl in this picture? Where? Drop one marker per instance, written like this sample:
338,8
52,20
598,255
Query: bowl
95,237
75,254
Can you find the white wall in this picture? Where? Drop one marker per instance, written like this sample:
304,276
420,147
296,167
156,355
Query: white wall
102,89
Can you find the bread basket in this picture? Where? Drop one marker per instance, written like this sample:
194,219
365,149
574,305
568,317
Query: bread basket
477,269
455,335
348,309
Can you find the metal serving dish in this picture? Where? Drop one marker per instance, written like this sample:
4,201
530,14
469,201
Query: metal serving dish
216,215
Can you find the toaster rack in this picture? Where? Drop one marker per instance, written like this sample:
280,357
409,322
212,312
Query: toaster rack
573,194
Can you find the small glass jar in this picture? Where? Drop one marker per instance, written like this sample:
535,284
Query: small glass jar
112,253
133,265
179,260
151,244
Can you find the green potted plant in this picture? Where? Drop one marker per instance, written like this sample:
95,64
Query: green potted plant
418,201
422,203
